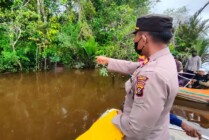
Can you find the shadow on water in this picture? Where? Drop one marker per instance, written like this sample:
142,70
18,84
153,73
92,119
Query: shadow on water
60,106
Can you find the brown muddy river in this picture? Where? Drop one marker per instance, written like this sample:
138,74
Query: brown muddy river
62,105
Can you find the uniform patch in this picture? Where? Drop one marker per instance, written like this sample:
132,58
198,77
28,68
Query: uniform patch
140,83
141,78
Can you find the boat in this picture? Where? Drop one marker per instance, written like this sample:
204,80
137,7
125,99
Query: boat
195,95
194,117
103,129
191,94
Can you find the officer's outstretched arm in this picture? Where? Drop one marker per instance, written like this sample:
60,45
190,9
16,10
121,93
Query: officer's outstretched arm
149,100
122,66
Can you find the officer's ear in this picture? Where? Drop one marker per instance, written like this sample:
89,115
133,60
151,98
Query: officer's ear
144,38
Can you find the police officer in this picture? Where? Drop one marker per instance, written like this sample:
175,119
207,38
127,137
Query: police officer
151,90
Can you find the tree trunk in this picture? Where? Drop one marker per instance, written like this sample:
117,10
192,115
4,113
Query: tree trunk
38,10
37,60
79,11
45,65
19,32
43,10
14,30
200,10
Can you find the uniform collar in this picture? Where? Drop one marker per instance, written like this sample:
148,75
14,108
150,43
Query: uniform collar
159,54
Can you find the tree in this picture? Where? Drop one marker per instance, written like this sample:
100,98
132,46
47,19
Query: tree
190,35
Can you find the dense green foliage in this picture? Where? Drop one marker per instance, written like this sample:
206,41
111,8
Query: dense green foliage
39,34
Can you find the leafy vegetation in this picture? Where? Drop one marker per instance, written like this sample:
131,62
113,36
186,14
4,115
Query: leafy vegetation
39,34
190,33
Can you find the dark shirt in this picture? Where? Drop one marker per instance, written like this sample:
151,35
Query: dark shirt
207,77
199,78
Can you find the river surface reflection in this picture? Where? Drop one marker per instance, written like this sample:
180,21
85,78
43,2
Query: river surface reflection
61,105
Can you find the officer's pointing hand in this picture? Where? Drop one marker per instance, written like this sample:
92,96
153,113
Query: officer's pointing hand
102,60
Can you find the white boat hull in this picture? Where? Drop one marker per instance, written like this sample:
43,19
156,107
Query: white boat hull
178,134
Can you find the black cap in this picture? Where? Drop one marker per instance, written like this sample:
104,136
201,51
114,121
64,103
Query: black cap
154,23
